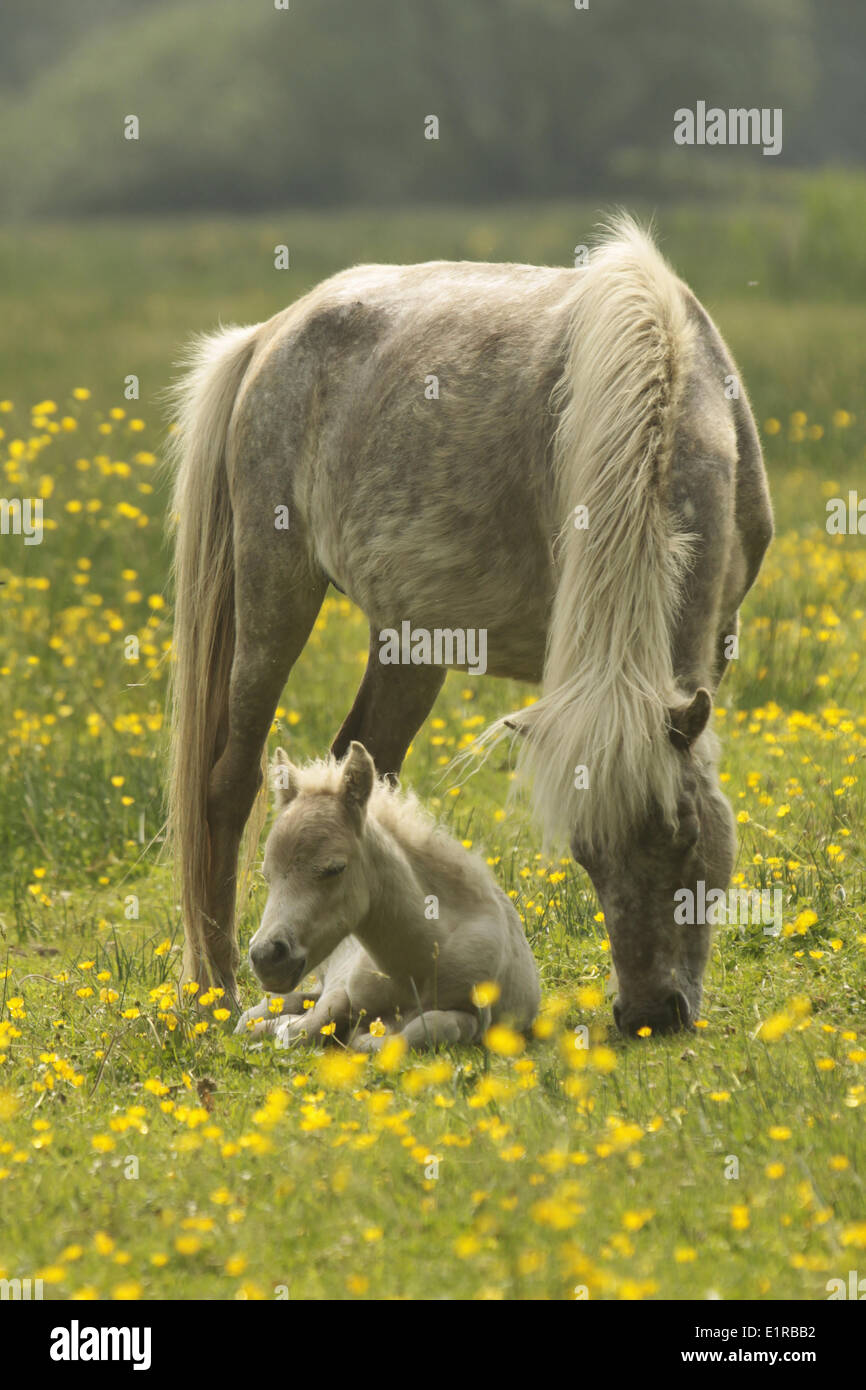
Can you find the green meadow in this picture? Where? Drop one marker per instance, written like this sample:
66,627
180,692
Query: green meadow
145,1152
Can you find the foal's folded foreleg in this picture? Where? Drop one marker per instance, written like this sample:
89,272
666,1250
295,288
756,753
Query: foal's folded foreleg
331,1009
261,1018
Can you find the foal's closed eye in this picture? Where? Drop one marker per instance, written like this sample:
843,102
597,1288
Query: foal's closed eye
330,870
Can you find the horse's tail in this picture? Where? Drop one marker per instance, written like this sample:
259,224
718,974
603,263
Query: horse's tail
204,615
608,674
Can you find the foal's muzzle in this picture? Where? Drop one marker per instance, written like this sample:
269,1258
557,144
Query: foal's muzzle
276,965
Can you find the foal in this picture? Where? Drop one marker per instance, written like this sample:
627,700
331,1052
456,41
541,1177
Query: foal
397,920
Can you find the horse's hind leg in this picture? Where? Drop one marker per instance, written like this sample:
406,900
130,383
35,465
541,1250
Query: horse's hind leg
390,707
277,597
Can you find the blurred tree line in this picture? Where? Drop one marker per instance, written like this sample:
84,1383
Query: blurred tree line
245,106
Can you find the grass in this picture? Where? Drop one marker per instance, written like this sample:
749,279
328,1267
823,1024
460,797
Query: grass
144,1151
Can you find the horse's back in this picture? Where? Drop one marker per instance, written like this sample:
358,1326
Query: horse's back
413,409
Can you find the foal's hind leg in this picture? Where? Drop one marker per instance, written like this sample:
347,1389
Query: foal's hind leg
390,707
278,596
429,1029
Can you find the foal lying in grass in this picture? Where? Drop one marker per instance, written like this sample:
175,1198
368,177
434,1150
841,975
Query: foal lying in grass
397,920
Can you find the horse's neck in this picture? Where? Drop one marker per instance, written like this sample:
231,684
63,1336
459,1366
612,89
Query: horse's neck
396,932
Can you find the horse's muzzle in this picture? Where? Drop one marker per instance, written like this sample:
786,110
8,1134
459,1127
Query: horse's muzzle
670,1015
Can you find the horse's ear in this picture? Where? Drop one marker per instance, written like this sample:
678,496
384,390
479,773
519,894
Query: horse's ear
283,779
687,722
521,721
359,776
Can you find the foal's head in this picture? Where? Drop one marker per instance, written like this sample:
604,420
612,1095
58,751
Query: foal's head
659,958
318,892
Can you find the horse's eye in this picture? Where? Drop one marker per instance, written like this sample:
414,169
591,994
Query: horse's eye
689,833
330,871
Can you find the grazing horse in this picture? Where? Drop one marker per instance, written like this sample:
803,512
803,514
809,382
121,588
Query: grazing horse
562,459
397,920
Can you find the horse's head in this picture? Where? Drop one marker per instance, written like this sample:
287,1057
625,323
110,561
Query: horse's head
313,863
659,962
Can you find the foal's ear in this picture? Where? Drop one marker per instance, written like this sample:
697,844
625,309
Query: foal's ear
687,721
359,776
283,779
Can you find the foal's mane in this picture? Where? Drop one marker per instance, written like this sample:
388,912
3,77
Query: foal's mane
429,847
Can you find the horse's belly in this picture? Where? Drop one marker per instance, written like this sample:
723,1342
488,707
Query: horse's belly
478,564
481,612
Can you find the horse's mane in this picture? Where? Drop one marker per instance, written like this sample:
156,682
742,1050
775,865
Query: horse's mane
608,675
